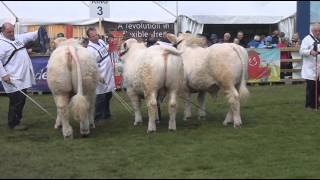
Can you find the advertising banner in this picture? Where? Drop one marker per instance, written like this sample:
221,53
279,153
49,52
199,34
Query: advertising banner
139,29
39,64
264,65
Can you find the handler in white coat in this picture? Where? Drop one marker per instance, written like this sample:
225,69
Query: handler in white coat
15,68
106,84
308,71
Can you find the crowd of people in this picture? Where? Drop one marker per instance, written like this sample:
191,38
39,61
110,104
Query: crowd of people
275,40
259,41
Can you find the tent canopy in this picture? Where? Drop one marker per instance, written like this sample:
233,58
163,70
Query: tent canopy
205,12
78,12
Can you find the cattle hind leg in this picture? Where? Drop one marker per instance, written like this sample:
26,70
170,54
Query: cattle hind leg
187,106
63,115
201,100
172,109
135,100
234,111
229,117
92,100
152,108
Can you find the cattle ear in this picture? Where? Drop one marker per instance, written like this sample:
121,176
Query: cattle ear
172,38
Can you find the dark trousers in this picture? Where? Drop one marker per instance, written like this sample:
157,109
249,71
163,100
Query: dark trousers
16,103
310,94
103,106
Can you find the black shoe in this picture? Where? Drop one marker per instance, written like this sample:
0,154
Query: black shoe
107,116
20,127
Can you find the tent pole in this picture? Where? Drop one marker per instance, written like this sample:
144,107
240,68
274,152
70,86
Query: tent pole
17,31
10,10
100,26
177,18
155,2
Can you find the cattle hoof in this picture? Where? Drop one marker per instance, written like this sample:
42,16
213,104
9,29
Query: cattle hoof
172,130
59,126
68,137
137,123
85,132
187,118
237,126
151,131
84,135
93,125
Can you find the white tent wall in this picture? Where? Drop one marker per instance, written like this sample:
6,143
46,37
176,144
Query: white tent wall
188,24
48,12
237,8
194,14
143,10
287,26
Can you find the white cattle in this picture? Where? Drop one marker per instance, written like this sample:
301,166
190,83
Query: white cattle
218,67
72,79
148,72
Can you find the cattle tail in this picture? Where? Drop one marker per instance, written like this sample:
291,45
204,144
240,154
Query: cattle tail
243,91
78,102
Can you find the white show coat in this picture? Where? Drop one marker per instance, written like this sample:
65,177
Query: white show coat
105,66
309,62
20,66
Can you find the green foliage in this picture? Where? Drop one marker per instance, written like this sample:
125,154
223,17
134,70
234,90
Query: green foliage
278,139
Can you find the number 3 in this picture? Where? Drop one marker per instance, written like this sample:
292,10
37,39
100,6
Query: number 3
100,10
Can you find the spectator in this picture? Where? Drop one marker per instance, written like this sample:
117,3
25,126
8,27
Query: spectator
284,55
262,41
309,66
204,42
275,37
106,83
16,71
213,39
282,35
255,42
236,41
242,42
112,44
226,38
151,40
269,43
295,40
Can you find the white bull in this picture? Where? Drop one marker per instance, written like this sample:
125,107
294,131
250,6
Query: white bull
148,72
218,67
72,79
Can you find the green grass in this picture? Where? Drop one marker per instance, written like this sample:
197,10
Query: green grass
278,139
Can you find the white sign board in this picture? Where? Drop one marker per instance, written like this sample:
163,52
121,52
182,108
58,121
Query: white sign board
99,9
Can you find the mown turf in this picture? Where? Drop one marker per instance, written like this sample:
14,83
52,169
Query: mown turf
278,139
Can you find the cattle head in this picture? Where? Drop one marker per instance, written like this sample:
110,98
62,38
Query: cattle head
125,46
64,41
55,43
186,39
178,41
